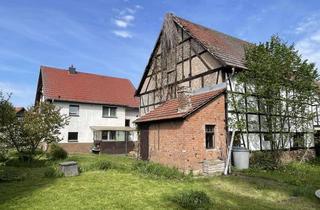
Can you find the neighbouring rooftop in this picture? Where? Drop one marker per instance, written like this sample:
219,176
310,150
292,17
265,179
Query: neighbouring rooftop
75,86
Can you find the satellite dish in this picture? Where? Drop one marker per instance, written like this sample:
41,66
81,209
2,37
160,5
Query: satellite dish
317,193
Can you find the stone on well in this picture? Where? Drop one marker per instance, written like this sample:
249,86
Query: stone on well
69,168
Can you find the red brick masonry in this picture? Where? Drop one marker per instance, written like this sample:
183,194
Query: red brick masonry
181,143
106,147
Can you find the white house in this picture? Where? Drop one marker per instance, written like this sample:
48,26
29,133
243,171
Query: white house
101,109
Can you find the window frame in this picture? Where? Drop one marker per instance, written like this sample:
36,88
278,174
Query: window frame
109,135
127,122
212,133
73,140
298,140
74,114
109,111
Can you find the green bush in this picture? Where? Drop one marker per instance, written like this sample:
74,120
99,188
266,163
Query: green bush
155,169
57,153
193,200
52,172
12,174
265,160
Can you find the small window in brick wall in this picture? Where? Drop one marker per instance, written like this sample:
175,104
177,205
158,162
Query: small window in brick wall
209,136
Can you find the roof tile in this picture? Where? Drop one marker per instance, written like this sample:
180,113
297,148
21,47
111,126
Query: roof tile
59,84
169,109
226,48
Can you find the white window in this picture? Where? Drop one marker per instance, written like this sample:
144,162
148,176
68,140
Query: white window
73,110
109,135
109,111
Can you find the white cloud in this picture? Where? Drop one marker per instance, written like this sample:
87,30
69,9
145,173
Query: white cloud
123,33
124,20
307,24
309,42
121,23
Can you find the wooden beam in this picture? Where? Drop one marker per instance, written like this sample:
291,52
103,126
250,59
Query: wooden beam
188,79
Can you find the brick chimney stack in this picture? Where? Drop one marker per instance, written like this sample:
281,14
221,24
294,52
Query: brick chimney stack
184,99
72,70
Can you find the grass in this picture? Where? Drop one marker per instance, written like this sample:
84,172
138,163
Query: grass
122,186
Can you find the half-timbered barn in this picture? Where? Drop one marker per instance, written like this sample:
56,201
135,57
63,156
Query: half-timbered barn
184,92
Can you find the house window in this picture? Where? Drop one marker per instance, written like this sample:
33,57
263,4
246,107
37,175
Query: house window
73,110
112,135
104,135
298,140
209,136
127,123
72,136
109,135
109,111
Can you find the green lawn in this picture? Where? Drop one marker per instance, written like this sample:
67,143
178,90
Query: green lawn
125,188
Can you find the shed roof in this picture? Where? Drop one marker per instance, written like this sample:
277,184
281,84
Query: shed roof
169,109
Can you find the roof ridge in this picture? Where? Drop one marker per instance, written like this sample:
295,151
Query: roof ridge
88,73
213,30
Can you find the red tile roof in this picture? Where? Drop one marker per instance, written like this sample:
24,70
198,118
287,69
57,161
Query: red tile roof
228,49
59,84
19,109
169,109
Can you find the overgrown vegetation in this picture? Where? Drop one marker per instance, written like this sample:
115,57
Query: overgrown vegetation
52,172
57,153
193,200
123,187
158,170
265,160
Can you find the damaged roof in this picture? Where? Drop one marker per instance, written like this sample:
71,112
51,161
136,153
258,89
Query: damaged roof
227,49
169,109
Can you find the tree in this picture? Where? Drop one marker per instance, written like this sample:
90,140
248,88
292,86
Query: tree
40,124
7,117
284,85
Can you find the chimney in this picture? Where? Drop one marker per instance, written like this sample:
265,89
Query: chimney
184,99
72,69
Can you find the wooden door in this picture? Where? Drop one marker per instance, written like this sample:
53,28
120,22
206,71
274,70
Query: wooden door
144,142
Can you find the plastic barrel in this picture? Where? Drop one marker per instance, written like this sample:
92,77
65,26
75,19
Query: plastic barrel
240,157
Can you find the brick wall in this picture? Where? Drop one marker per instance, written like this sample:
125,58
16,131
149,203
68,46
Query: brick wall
181,143
73,148
106,147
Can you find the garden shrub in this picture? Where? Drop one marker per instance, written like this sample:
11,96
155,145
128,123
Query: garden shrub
266,160
155,169
57,153
193,199
52,172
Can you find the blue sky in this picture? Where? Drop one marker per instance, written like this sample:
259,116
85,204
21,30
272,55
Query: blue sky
116,37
